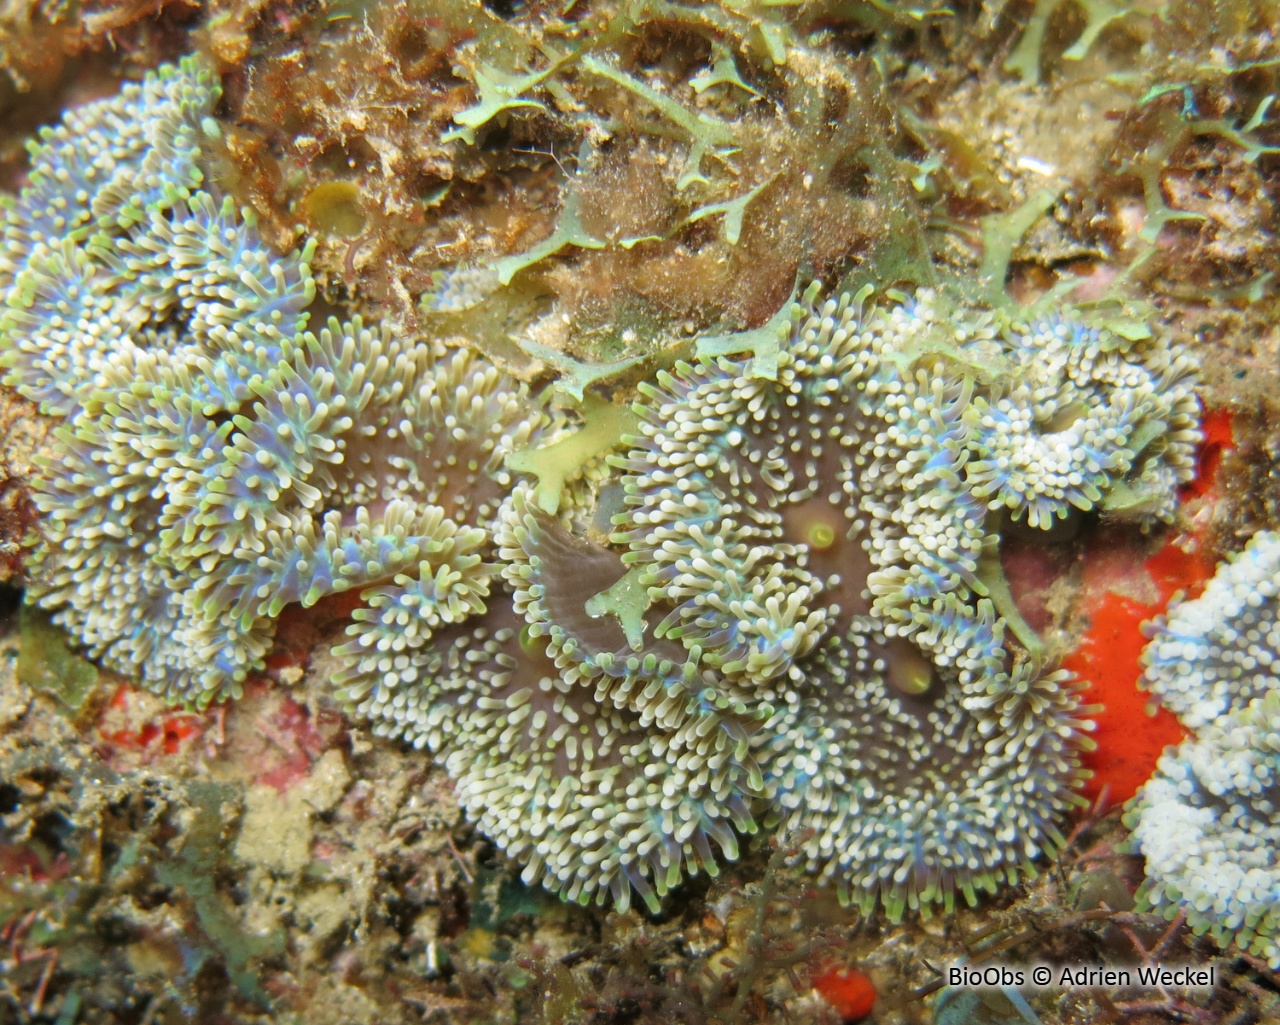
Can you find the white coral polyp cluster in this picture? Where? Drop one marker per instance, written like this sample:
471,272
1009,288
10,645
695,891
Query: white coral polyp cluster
1078,419
862,485
797,621
1221,650
1208,821
216,461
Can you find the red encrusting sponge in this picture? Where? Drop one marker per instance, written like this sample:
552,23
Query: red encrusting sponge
1120,593
849,991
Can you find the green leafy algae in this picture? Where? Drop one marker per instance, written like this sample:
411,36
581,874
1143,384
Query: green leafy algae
576,375
605,427
499,91
569,231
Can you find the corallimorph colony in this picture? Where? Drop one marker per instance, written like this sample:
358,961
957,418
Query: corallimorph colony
779,604
1208,821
